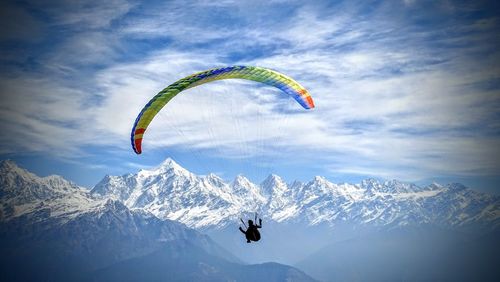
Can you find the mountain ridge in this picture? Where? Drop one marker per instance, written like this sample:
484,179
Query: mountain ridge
169,191
317,201
63,233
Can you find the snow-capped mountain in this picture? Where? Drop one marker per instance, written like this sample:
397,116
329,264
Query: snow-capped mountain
170,191
51,229
25,194
21,186
45,202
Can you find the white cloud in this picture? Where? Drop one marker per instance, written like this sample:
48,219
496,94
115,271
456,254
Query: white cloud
387,103
85,14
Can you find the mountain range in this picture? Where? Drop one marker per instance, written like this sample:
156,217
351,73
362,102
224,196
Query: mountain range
204,202
302,220
167,223
54,230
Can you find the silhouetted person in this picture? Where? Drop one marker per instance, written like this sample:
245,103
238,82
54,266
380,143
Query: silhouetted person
252,234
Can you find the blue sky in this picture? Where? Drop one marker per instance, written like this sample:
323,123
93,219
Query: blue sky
406,90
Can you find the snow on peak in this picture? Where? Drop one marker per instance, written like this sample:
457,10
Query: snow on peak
273,184
395,186
9,168
272,179
169,166
8,165
434,186
321,184
57,181
171,192
212,176
214,180
169,163
296,184
456,187
24,192
242,181
320,180
370,184
114,205
241,185
25,186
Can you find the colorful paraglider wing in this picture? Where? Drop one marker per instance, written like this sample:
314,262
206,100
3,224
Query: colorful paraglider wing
267,76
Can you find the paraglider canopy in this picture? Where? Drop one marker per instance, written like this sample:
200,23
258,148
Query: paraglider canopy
263,75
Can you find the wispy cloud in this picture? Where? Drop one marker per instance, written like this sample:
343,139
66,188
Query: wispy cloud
401,91
83,15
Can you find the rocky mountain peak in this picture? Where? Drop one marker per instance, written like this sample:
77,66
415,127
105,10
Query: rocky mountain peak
58,182
320,180
456,187
8,165
114,206
170,192
168,166
395,186
9,169
213,179
241,184
272,179
434,186
241,181
370,184
273,184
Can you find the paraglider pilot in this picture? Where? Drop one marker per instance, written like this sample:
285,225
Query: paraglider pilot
252,233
